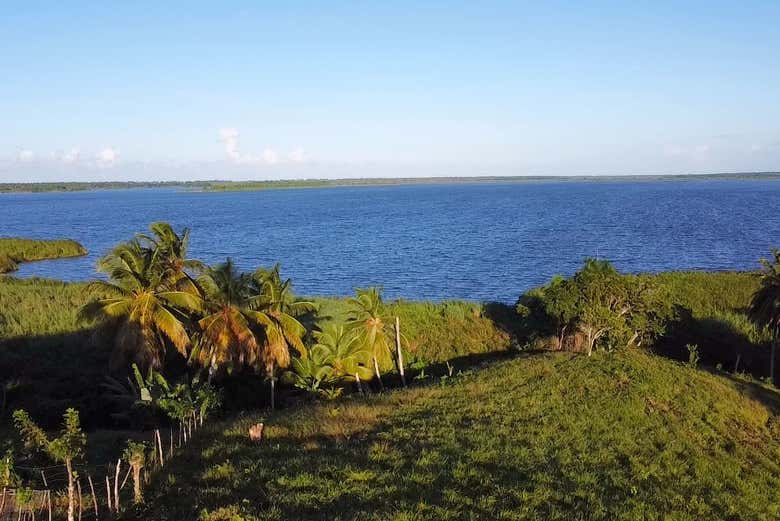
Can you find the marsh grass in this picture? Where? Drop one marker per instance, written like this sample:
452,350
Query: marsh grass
544,436
47,360
16,250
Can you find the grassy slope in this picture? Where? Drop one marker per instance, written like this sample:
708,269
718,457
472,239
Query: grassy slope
545,436
15,250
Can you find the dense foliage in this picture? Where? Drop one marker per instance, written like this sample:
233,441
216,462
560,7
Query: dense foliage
552,436
667,312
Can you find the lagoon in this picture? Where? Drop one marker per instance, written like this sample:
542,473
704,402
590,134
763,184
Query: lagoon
481,241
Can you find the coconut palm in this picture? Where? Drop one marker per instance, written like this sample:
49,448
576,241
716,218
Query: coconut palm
345,353
227,337
247,324
370,322
765,305
276,310
145,306
170,250
277,294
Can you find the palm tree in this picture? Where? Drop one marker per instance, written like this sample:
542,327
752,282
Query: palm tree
170,250
278,294
368,317
143,303
765,305
228,338
344,351
276,310
249,323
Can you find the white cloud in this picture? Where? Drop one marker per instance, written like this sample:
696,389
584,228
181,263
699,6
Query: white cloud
270,156
25,156
297,155
68,157
229,137
107,157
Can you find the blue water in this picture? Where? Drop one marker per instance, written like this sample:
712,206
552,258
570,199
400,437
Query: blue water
475,241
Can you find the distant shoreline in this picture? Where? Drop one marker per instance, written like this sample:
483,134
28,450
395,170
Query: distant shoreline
282,184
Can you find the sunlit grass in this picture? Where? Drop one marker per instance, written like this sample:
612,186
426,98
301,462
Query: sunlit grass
15,250
546,436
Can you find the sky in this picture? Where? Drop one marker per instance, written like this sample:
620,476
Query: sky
267,90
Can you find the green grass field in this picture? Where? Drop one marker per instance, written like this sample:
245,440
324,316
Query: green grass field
543,436
15,250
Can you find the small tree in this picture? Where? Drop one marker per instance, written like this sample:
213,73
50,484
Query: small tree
8,477
371,322
765,305
135,455
68,447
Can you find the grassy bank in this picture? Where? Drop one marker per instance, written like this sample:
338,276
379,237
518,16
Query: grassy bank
545,436
16,250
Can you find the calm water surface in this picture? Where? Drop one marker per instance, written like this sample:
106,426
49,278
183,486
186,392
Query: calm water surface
476,241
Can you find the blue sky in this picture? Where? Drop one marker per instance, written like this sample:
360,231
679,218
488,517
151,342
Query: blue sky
168,90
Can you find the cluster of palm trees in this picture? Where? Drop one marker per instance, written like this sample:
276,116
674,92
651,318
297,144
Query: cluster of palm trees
349,351
224,320
157,300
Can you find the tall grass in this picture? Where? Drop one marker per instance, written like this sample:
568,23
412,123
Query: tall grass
16,250
47,360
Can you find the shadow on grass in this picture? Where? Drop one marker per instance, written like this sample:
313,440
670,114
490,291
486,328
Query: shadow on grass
47,374
718,342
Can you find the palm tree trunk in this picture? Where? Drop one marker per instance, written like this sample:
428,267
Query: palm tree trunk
398,349
137,497
273,388
71,491
378,374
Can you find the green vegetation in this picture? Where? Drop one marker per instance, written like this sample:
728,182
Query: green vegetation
66,448
15,250
233,186
765,304
96,185
241,186
617,434
664,312
621,435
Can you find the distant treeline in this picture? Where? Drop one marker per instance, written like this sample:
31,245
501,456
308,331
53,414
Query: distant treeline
98,185
225,186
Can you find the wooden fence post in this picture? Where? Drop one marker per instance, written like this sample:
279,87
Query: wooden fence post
94,497
116,486
48,501
398,349
159,441
81,502
45,483
108,493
